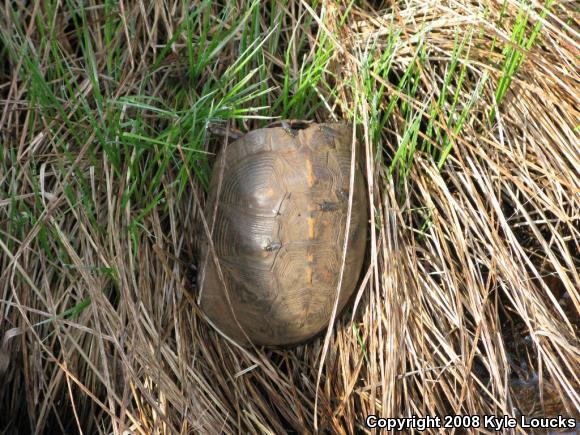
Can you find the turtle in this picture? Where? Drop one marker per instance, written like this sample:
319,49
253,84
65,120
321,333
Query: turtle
277,210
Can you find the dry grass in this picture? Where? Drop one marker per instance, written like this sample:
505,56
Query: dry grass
469,300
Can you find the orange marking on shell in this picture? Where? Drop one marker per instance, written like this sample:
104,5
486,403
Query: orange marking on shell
309,172
310,228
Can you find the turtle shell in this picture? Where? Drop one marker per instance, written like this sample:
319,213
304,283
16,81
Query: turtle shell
277,209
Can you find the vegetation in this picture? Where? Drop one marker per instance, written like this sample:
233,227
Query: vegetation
467,116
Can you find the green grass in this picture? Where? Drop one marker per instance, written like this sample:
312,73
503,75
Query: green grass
176,138
521,41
